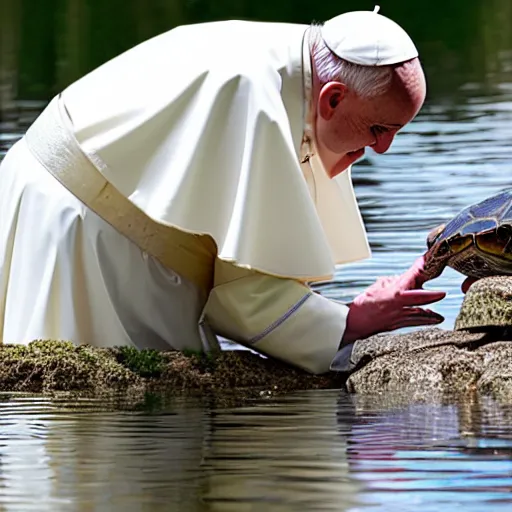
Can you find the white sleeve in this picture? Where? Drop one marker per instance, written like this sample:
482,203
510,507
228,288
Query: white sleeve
281,318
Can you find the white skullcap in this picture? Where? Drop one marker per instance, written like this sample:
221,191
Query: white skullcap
368,38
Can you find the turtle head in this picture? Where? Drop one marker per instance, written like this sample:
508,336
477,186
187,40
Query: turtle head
436,256
434,235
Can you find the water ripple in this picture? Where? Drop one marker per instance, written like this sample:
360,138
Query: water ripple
321,450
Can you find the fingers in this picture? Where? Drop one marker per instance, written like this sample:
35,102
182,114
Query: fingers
409,317
421,314
415,322
416,317
420,297
424,315
467,283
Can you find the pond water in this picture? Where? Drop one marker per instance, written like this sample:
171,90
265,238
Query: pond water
305,451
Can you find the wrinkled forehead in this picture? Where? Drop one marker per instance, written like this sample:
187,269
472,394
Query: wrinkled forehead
409,84
405,97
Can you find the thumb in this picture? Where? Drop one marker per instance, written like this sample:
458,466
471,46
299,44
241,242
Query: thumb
414,277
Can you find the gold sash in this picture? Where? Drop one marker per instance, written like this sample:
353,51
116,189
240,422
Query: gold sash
52,142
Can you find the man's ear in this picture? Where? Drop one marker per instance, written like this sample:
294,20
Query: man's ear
331,95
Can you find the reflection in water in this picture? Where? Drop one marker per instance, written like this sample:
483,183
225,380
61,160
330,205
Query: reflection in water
81,454
434,455
287,455
308,451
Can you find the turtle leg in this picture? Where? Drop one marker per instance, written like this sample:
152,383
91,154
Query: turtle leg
467,283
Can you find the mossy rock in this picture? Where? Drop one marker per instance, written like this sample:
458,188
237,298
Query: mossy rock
146,363
48,366
487,306
431,362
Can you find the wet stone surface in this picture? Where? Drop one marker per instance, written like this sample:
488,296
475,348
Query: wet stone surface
476,356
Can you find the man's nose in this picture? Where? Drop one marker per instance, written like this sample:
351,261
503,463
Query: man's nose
383,142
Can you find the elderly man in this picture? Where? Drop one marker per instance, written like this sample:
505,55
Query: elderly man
194,187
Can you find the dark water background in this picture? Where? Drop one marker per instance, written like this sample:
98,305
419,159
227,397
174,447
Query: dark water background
306,451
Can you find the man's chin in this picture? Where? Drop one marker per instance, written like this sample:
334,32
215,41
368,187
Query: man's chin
346,161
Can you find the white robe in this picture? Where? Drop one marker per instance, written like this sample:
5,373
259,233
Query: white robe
200,128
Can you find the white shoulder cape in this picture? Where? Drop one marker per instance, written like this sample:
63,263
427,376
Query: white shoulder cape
201,127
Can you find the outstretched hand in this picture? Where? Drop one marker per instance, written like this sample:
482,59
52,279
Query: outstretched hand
392,303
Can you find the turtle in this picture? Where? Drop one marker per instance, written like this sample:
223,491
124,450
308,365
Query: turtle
477,241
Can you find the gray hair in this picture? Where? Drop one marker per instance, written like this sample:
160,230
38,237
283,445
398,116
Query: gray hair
365,81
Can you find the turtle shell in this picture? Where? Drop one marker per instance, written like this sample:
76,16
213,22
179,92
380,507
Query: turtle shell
477,242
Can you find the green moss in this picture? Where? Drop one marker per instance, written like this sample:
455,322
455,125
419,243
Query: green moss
204,361
146,363
61,366
49,366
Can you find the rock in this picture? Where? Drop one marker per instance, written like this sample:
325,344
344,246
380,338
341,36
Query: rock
488,303
362,352
496,379
49,366
474,357
444,364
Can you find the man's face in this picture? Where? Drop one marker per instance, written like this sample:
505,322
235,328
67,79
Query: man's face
346,124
